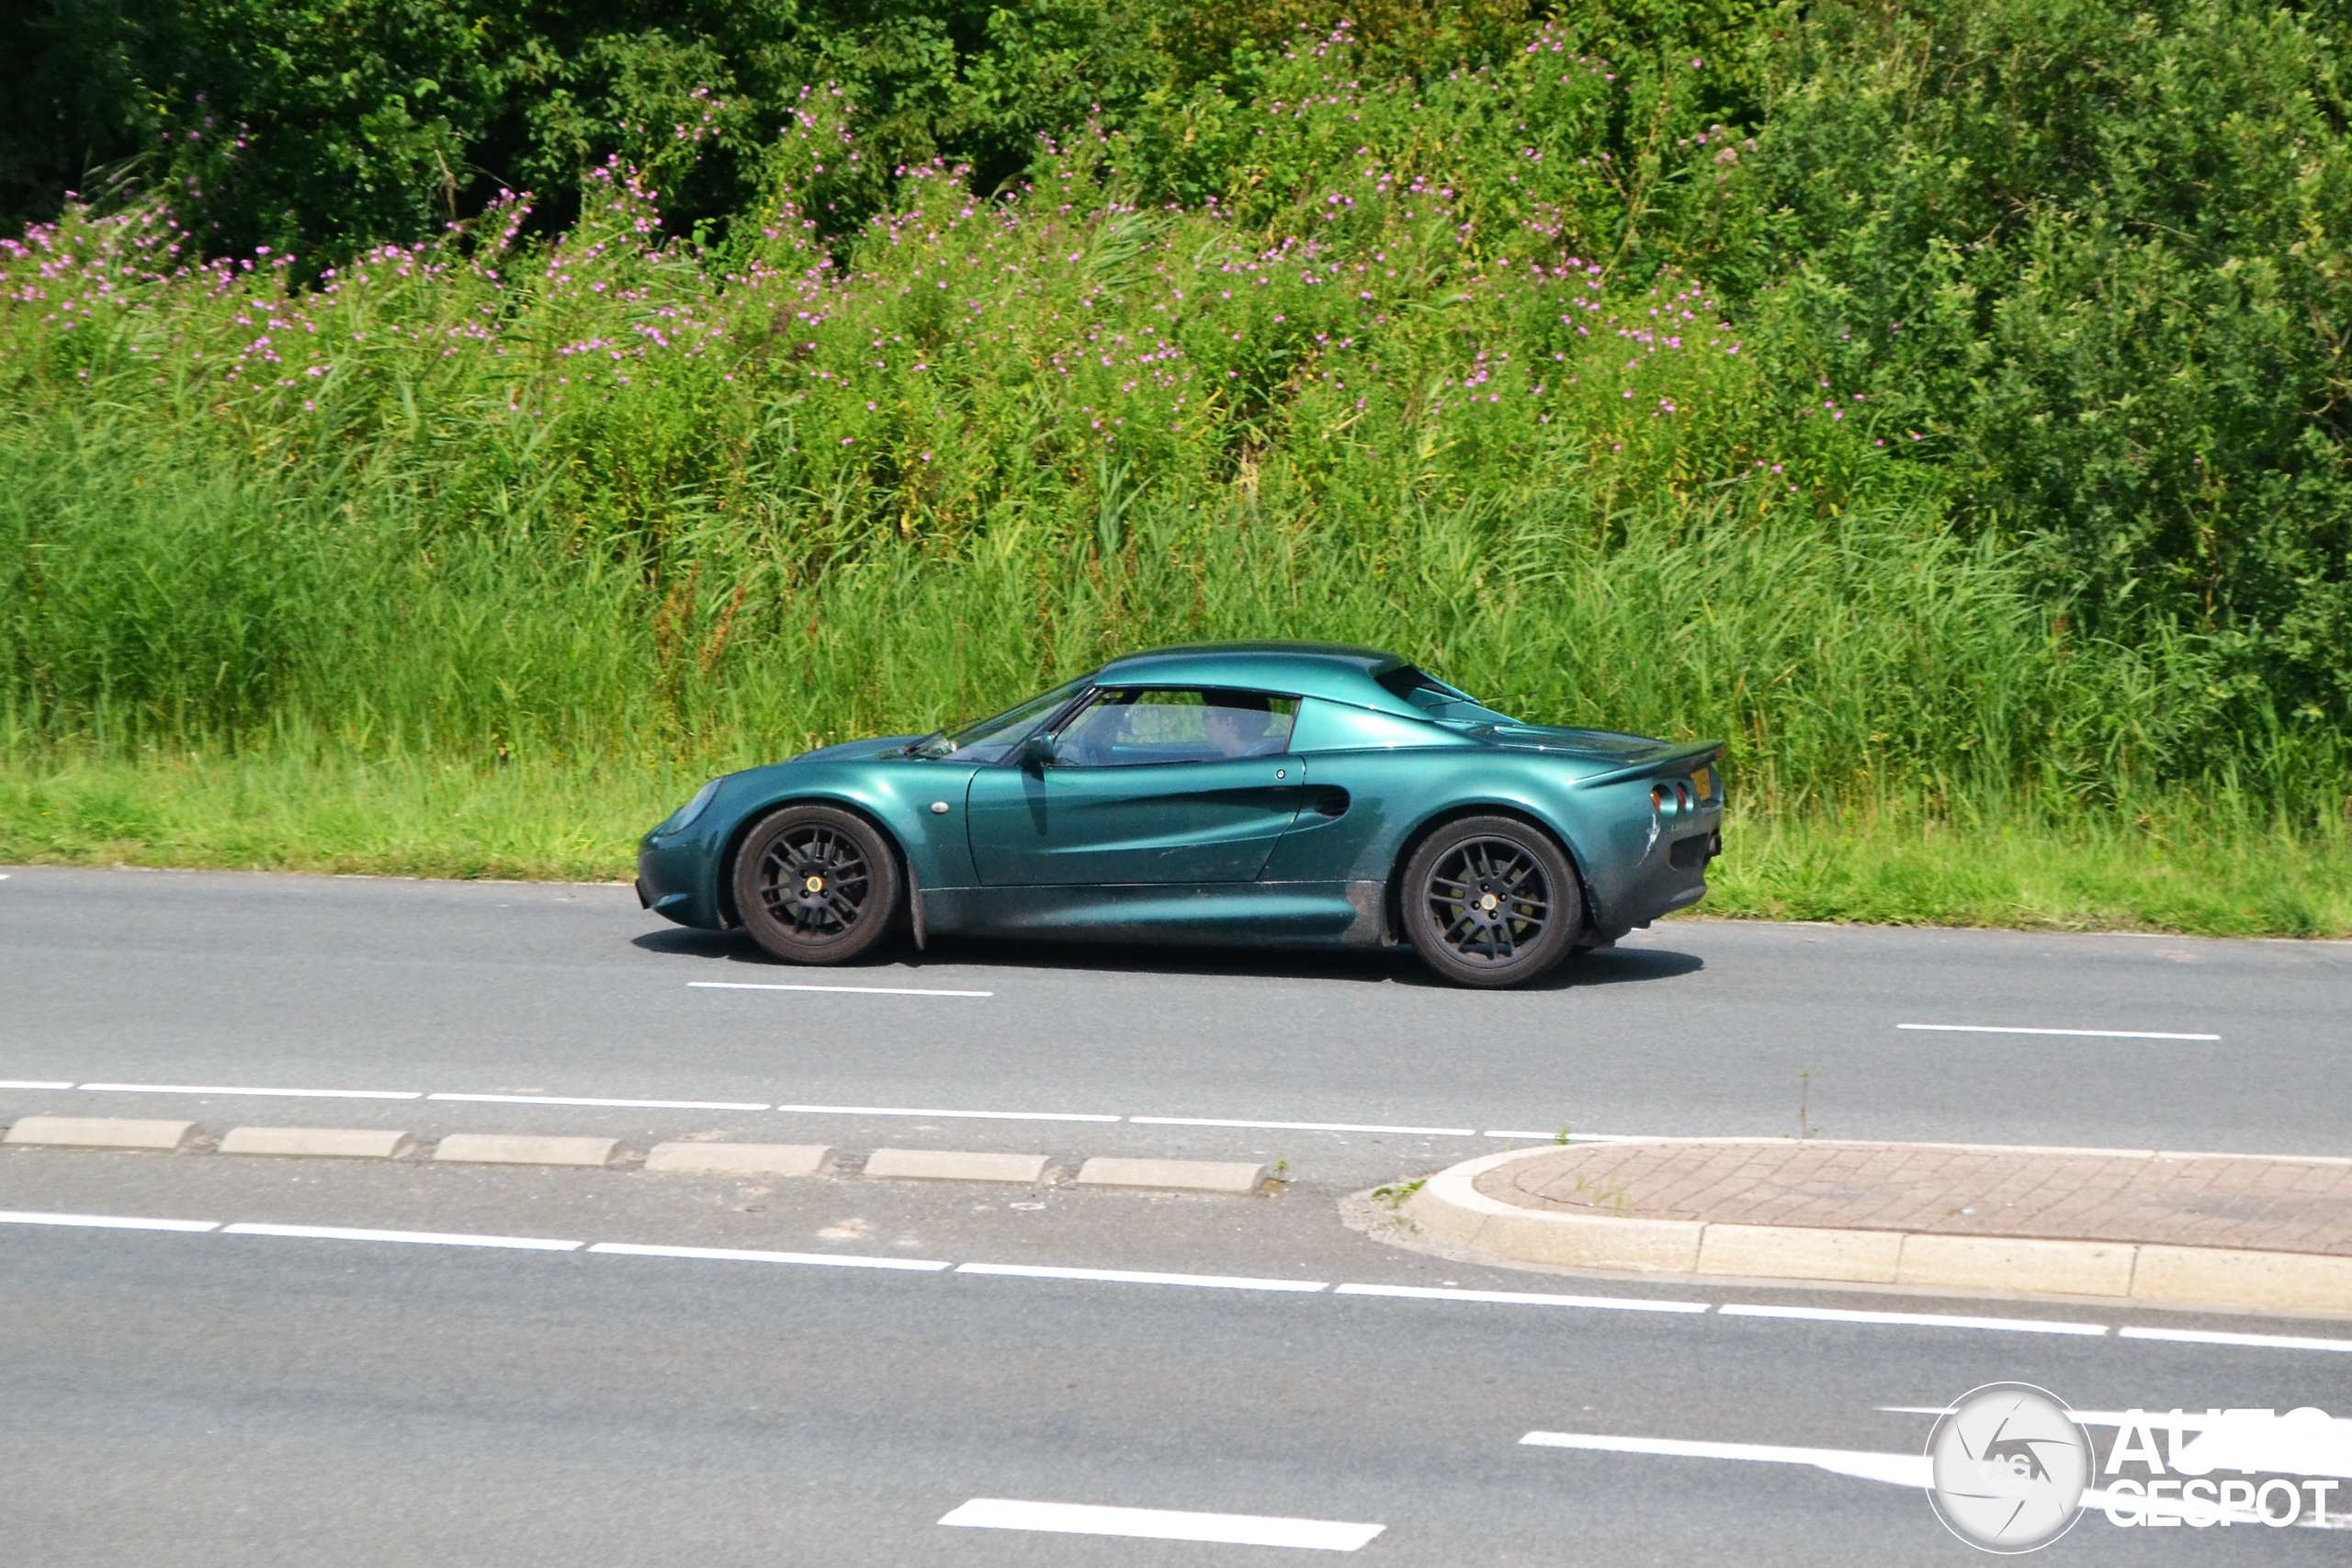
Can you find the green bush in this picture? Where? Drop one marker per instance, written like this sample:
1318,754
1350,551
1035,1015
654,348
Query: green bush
2101,255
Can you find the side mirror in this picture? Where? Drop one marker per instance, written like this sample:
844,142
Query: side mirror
1037,752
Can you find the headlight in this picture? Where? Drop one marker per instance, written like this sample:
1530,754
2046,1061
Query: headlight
684,818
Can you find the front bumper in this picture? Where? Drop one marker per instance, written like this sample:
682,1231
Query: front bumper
673,881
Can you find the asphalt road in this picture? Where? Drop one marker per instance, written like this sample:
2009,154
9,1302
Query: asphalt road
182,1396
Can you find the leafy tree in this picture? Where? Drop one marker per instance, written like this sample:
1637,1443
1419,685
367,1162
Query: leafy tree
2102,256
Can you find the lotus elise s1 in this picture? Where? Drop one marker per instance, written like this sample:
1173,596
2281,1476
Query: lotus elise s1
1246,792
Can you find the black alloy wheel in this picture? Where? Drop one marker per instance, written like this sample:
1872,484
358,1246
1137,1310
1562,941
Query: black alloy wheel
816,884
1491,901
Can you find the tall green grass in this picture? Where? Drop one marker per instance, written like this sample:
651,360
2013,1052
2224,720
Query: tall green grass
470,559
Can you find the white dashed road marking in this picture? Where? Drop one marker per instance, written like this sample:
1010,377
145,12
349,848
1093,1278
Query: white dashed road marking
1160,1524
414,1238
2257,1341
744,1255
1304,1126
1919,1319
1917,1469
241,1088
967,1115
606,1104
2085,1034
1521,1298
1901,1470
104,1222
1140,1277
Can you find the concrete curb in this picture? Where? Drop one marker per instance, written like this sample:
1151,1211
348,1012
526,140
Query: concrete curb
518,1148
318,1142
1449,1205
740,1159
1234,1178
99,1133
955,1165
1226,1177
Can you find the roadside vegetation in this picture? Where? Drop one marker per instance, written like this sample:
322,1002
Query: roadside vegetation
1946,404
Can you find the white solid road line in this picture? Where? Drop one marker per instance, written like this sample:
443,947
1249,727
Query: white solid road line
1553,1137
104,1222
845,990
1306,1126
1160,1524
1900,1470
740,1254
2211,1336
1521,1298
965,1115
1144,1277
2085,1034
1921,1320
239,1089
419,1238
608,1104
1140,1277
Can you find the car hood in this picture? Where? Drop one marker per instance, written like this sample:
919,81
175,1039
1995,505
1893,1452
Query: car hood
860,750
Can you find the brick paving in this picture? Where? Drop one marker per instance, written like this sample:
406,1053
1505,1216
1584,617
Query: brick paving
2230,1200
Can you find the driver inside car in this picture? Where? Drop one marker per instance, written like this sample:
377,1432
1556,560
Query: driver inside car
1236,726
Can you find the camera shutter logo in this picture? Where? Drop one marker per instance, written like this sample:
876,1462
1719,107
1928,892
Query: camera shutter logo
2009,1465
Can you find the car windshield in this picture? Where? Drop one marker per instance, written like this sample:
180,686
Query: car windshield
1437,699
992,739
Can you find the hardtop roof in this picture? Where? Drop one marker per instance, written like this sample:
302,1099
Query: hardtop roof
1301,669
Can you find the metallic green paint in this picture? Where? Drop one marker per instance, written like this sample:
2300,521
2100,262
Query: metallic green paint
1326,725
1302,847
1178,822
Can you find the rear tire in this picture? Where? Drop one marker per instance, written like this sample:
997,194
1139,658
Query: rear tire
817,884
1490,902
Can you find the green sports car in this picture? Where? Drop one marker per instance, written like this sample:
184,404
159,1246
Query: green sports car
1262,792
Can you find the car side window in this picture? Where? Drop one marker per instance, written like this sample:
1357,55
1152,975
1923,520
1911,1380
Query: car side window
1139,725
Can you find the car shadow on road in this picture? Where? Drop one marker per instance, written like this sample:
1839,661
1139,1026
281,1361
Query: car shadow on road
1607,967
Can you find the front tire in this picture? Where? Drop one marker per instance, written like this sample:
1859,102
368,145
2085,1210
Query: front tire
816,884
1490,902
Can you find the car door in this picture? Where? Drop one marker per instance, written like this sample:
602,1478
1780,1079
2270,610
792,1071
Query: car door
1144,785
1371,773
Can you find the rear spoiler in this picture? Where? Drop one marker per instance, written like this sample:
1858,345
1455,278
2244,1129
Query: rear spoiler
1672,761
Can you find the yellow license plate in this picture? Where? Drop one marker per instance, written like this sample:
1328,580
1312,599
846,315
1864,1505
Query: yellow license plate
1704,781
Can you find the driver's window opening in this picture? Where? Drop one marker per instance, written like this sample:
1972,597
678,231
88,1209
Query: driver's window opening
1133,726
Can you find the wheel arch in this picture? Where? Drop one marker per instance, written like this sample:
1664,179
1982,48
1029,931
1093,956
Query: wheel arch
732,846
1392,904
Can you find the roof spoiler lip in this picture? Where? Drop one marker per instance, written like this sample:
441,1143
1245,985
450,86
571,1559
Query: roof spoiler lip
1675,759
